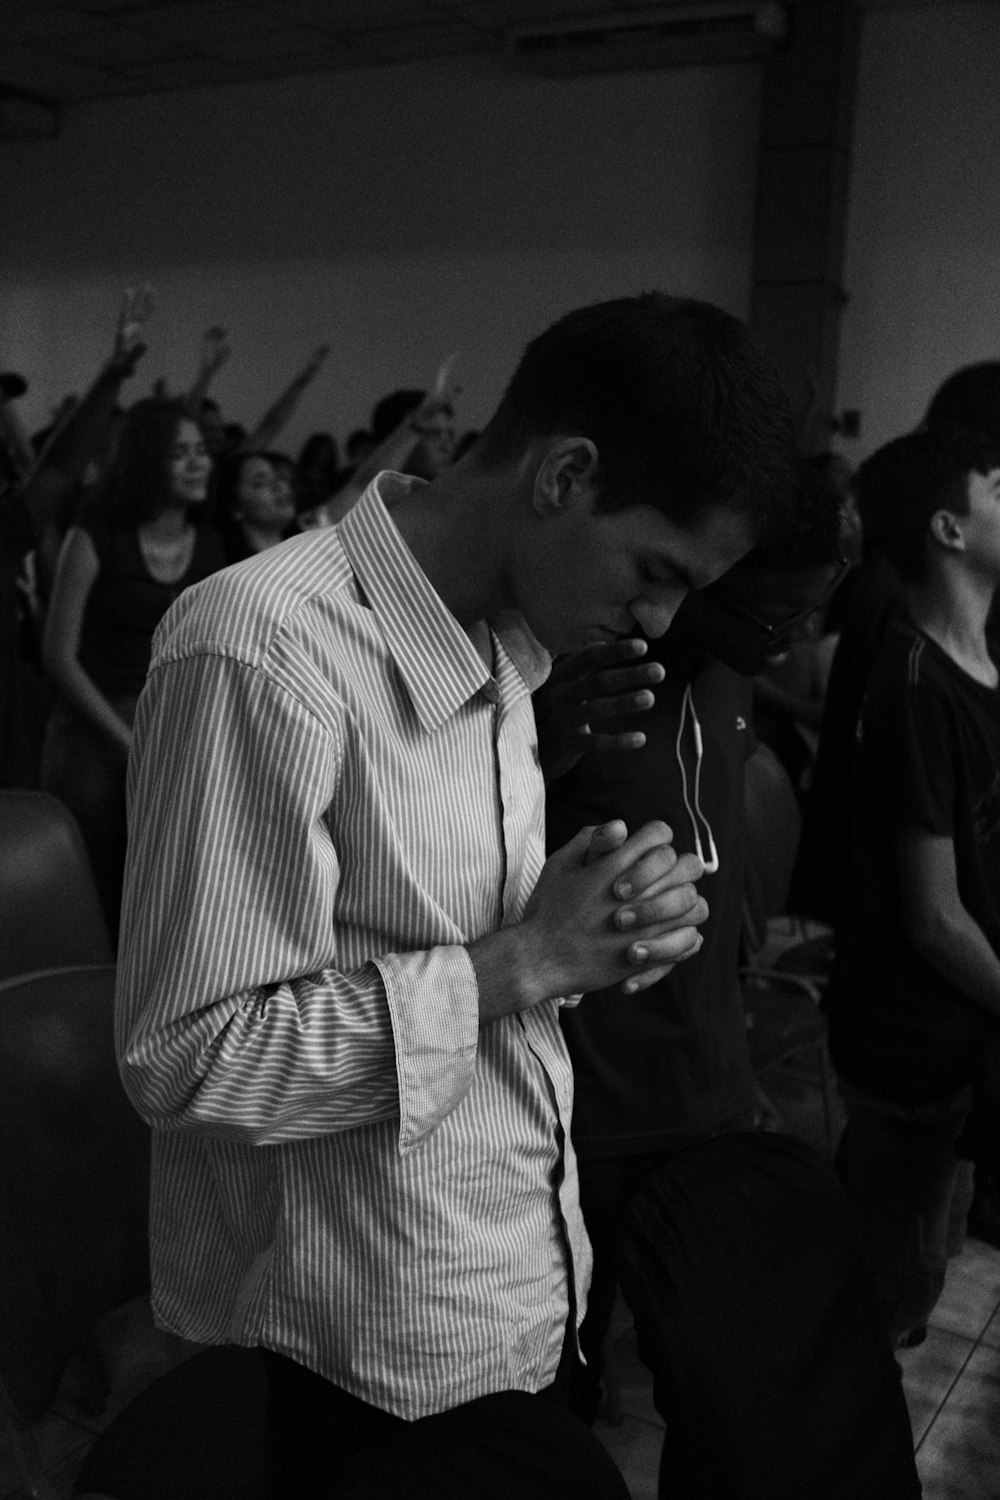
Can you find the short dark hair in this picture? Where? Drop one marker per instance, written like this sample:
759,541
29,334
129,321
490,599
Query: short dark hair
901,486
685,409
811,536
137,485
969,398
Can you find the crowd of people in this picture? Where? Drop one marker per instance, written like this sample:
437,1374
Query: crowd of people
437,818
111,512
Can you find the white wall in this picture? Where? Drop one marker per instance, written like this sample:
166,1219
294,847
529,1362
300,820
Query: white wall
923,258
399,213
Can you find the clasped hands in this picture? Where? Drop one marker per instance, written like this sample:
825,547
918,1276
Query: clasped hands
612,908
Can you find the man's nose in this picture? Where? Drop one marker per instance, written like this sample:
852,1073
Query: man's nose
654,611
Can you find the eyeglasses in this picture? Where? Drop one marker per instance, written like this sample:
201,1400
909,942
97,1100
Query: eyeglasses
736,635
776,635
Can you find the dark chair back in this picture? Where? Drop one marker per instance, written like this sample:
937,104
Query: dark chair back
74,1174
74,1197
50,915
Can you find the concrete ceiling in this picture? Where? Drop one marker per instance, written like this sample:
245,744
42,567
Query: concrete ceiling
70,50
64,51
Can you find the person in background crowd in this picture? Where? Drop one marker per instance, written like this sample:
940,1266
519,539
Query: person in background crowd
318,470
16,452
914,996
255,510
121,566
789,693
823,881
286,477
224,437
435,430
395,448
358,446
835,471
344,952
29,507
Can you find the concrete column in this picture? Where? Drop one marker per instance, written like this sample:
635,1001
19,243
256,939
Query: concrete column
807,109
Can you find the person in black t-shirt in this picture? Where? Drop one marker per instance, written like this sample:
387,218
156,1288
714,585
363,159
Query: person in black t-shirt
673,1066
914,1001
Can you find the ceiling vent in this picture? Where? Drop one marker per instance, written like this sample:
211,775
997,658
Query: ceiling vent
681,36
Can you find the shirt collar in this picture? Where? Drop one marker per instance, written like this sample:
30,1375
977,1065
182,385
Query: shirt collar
525,650
435,658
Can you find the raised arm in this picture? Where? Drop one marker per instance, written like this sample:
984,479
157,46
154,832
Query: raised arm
278,415
15,438
215,350
79,436
394,450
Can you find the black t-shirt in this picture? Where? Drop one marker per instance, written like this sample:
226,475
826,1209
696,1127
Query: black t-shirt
928,757
823,880
127,603
670,1063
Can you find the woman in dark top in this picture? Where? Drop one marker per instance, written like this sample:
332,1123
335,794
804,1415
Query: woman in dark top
120,568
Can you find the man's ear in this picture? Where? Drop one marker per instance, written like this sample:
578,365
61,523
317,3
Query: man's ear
946,529
566,474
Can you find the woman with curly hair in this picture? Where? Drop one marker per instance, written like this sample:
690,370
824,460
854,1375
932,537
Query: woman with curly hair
130,554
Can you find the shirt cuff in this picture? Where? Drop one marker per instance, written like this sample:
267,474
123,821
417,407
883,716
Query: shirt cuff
434,1008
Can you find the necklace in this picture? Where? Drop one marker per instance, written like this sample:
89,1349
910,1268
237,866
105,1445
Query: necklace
167,559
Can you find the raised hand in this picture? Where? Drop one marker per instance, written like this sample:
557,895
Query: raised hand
215,350
315,362
444,387
600,682
129,346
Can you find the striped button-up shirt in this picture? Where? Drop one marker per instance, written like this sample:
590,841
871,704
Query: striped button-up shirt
330,796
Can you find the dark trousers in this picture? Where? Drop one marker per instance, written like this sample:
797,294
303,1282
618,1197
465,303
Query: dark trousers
324,1444
607,1186
745,1269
